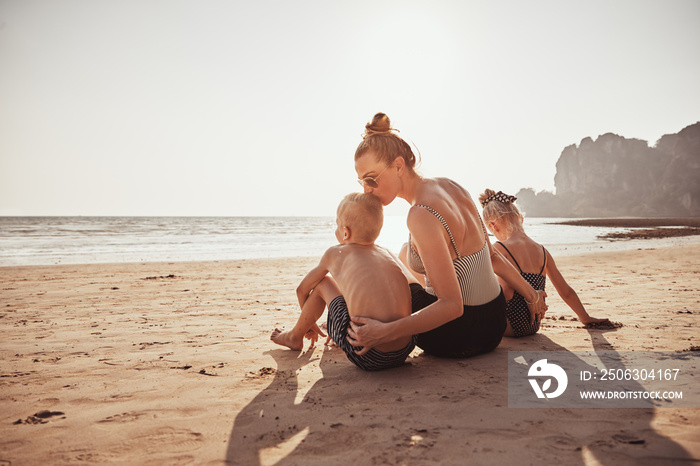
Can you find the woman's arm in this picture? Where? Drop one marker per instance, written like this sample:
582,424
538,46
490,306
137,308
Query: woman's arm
428,237
567,293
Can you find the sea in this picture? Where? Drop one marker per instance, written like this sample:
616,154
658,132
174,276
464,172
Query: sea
89,240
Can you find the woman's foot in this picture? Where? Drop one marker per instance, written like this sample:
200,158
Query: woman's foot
287,339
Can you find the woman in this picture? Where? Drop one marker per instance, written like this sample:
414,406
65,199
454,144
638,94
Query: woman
461,311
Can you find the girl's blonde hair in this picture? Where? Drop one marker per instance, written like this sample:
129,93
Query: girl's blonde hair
498,205
380,137
364,214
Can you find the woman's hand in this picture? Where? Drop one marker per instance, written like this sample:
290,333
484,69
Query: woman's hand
538,307
366,332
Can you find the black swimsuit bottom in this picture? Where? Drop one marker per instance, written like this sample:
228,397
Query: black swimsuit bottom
478,330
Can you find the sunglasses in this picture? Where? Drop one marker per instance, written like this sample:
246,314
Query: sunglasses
371,181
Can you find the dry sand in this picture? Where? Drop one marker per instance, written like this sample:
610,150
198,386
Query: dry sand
171,363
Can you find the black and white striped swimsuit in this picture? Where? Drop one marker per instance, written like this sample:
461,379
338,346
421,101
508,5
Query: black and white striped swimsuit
481,326
477,281
517,311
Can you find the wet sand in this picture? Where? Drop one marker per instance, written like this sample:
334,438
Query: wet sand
643,228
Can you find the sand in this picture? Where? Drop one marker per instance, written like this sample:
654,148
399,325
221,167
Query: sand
171,363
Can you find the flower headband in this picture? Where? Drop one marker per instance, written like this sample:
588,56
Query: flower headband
499,196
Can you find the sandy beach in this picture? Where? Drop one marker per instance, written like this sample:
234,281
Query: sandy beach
171,363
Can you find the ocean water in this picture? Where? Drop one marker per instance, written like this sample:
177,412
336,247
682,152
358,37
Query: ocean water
83,240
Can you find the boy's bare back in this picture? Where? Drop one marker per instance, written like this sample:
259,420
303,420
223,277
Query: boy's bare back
373,282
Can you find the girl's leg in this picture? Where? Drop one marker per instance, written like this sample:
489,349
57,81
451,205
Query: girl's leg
325,292
509,330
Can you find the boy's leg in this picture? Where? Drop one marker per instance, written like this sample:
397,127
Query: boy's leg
326,291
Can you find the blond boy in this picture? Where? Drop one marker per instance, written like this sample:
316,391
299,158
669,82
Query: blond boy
365,280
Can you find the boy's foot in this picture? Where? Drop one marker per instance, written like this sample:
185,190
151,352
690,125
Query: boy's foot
287,339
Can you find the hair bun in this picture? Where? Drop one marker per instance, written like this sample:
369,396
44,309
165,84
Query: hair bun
485,195
379,124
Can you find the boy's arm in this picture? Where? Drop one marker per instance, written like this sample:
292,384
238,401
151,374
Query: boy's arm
567,293
313,278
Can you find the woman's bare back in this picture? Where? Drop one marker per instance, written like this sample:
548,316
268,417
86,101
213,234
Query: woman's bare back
456,206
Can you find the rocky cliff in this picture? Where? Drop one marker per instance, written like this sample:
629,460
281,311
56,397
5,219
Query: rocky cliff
616,176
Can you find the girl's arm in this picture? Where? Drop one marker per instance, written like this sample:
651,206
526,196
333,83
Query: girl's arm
508,290
427,233
506,271
567,293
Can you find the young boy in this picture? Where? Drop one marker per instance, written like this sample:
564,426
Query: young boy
365,280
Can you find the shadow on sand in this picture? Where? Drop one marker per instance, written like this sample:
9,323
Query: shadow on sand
432,411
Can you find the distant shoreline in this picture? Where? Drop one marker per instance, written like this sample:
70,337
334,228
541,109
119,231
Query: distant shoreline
644,228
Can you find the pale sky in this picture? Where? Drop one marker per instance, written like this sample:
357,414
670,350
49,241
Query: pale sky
183,107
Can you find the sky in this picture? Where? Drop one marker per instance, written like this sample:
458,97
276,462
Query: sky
233,108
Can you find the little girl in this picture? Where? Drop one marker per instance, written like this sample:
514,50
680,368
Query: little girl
533,261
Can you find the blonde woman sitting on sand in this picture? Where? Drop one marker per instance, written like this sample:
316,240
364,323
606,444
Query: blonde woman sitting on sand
534,262
461,310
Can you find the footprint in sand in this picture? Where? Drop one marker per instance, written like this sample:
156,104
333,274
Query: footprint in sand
41,417
165,438
123,417
631,439
562,443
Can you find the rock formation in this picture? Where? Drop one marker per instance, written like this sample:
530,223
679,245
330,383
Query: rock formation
614,176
